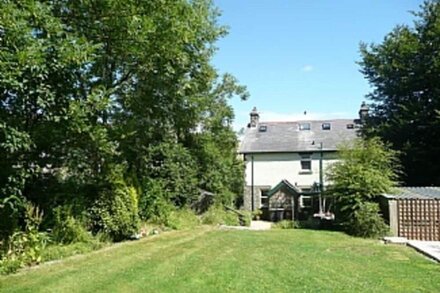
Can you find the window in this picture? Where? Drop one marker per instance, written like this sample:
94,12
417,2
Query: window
305,201
304,126
264,199
262,128
350,126
326,126
306,163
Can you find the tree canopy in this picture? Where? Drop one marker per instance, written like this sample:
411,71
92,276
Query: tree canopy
102,97
404,71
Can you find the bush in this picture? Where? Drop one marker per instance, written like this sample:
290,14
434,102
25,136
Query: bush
10,265
246,218
216,215
257,214
286,224
25,247
116,212
182,219
154,204
367,222
67,229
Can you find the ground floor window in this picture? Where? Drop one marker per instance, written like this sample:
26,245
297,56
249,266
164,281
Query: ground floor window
264,199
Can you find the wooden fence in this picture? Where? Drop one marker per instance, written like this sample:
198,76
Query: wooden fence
419,219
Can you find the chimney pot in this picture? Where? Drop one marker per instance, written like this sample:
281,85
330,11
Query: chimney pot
255,118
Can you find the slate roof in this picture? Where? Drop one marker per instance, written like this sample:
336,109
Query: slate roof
287,184
286,136
290,187
415,193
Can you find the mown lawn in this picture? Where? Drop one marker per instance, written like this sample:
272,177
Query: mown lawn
207,260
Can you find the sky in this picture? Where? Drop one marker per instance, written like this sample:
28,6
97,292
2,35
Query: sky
300,55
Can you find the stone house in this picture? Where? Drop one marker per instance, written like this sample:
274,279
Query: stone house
285,163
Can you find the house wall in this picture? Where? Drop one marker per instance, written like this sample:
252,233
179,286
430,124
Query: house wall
270,168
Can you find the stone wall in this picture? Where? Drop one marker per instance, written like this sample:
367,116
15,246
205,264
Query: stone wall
247,202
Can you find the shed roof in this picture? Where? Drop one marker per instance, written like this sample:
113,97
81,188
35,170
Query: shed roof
287,136
415,193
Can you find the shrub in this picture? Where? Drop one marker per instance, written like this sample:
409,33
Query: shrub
153,203
216,215
9,265
116,212
246,217
182,219
367,222
67,229
257,214
286,224
25,247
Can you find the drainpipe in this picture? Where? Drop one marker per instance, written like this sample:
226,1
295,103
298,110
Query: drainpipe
252,183
321,178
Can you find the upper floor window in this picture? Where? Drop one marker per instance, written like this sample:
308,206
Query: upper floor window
306,163
304,126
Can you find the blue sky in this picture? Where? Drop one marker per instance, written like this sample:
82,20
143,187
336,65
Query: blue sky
300,55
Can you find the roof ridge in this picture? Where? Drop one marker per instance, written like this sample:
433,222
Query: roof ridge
309,120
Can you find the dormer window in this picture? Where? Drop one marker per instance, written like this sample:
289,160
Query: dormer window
304,126
262,128
326,126
350,126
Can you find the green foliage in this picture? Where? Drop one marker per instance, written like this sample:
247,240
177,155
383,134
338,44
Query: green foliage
217,215
367,222
25,247
256,214
182,219
246,217
403,72
90,86
286,224
154,204
367,169
115,212
67,229
55,252
175,169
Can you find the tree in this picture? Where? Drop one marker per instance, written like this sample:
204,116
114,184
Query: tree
404,71
90,87
367,169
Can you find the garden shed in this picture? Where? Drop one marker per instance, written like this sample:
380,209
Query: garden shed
413,212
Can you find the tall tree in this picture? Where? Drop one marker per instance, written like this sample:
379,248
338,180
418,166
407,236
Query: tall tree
90,87
404,71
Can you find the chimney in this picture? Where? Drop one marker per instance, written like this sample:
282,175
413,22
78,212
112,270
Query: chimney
255,117
363,112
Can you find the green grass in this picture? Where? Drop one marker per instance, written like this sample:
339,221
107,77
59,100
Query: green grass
206,260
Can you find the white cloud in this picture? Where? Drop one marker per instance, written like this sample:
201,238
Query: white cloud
307,68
